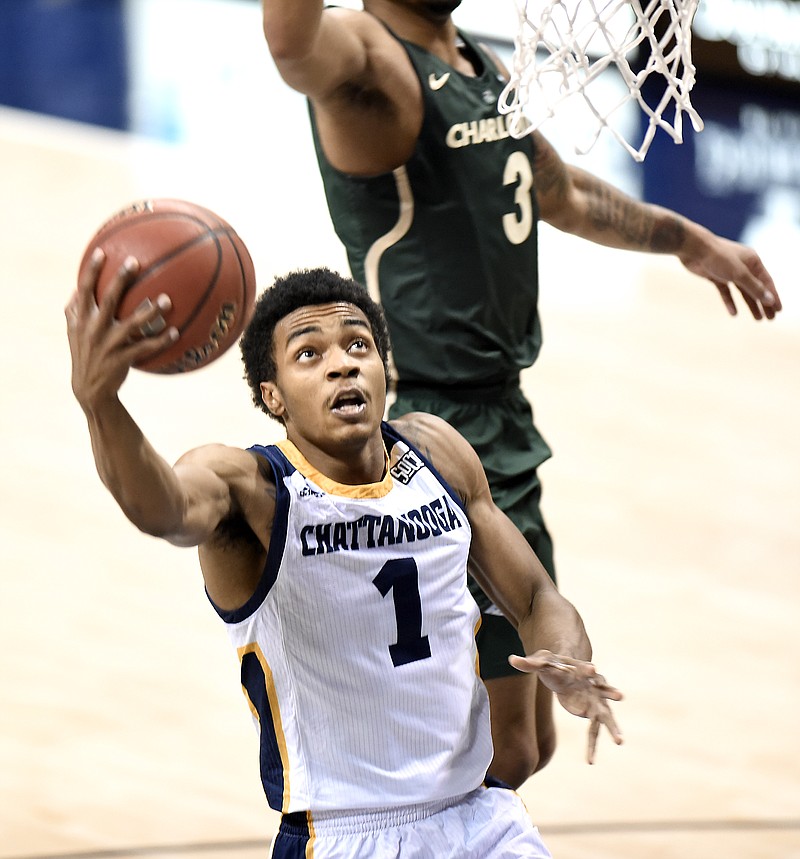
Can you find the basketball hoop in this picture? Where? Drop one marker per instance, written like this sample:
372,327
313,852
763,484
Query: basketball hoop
562,50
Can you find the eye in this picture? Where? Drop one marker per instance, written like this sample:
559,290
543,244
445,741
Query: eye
306,354
359,345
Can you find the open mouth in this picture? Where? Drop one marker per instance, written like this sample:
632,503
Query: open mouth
349,403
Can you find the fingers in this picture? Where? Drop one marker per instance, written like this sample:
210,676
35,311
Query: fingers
603,717
758,288
528,664
119,284
727,298
82,300
146,330
138,336
563,674
594,731
730,266
759,309
763,290
605,688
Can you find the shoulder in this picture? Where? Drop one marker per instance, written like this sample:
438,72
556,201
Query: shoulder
225,461
445,447
360,26
246,478
495,58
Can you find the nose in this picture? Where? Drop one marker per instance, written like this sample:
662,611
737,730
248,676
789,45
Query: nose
341,364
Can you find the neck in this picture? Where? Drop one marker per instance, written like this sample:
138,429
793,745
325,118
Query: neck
353,464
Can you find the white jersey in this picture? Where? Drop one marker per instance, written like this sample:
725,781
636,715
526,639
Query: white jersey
357,650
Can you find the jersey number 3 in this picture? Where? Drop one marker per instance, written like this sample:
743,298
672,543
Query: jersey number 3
518,225
401,578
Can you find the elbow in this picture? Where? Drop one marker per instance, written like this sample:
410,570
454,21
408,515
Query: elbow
160,529
564,217
165,524
150,523
286,43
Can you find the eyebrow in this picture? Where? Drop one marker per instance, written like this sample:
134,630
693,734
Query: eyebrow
352,322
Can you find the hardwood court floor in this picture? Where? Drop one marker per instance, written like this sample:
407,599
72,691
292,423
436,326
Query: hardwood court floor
673,496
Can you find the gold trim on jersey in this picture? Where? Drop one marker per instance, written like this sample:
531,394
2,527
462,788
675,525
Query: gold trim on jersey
477,655
312,836
275,711
372,258
331,487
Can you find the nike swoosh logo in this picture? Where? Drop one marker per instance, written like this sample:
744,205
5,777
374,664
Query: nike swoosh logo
437,83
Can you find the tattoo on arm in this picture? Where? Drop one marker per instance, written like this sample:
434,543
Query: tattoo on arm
549,171
634,223
609,211
668,236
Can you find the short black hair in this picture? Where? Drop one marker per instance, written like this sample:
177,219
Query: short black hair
289,292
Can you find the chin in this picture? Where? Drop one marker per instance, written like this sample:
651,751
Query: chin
442,8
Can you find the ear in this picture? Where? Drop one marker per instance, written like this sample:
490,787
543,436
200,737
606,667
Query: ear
272,398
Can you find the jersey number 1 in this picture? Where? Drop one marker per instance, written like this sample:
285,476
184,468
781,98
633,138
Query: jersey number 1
400,576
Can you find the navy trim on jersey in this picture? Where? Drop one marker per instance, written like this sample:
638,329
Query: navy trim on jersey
281,468
393,435
293,837
271,765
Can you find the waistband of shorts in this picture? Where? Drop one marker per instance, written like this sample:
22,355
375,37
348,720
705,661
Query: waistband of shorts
322,823
463,392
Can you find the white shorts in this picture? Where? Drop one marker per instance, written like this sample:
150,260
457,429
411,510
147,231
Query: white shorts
489,823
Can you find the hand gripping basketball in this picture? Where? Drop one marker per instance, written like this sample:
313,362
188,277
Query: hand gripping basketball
196,258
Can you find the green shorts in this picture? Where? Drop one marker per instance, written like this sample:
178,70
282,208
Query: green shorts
498,423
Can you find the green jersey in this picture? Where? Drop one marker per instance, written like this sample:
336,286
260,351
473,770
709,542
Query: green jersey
447,243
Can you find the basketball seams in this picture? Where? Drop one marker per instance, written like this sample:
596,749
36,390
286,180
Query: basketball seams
232,237
208,290
214,235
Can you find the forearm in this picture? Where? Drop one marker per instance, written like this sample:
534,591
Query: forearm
607,216
553,624
142,482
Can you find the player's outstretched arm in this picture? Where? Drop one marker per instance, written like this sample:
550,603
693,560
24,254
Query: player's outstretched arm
508,570
580,203
184,509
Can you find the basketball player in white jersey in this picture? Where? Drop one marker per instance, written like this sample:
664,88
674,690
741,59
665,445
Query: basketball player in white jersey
337,560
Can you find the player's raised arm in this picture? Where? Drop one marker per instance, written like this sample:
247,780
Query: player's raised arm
365,95
183,505
316,51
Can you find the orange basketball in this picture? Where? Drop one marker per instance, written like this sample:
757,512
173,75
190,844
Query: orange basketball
194,257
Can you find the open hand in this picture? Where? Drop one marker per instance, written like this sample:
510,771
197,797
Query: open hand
732,266
580,690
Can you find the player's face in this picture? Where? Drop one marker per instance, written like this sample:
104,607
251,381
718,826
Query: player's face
330,386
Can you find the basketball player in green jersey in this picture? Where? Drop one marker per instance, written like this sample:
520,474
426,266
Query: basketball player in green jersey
437,207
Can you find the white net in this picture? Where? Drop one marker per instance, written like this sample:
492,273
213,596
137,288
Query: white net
562,49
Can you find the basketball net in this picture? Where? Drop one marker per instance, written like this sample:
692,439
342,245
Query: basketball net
561,51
